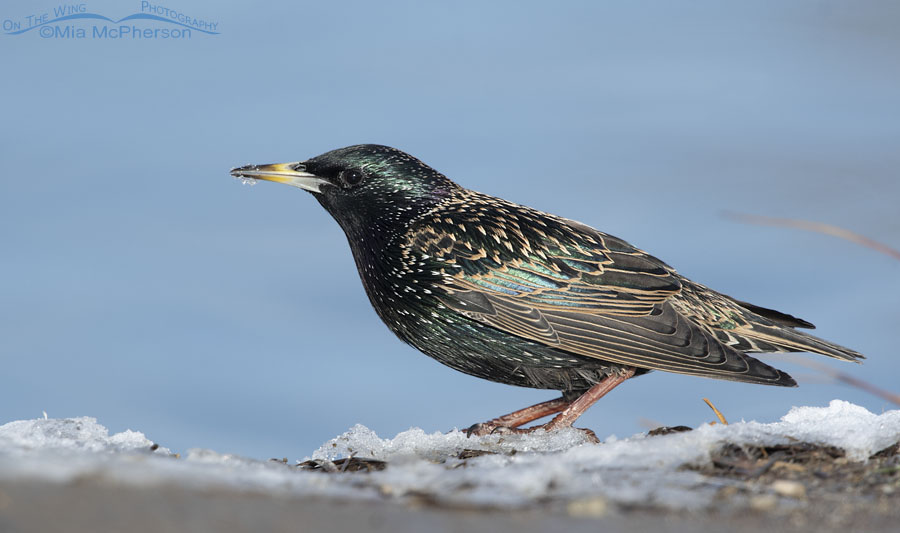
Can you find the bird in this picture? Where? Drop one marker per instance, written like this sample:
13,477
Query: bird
514,295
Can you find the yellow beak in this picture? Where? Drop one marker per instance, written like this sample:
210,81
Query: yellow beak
288,173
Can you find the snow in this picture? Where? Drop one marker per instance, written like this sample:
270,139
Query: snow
561,466
68,434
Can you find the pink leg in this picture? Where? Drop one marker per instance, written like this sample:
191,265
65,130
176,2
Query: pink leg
578,407
568,411
517,418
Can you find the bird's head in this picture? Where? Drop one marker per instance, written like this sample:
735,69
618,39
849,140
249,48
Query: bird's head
367,188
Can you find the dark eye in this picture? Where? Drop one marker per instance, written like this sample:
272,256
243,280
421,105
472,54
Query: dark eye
351,178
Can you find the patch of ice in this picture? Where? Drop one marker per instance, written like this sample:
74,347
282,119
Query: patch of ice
416,444
844,425
519,471
68,434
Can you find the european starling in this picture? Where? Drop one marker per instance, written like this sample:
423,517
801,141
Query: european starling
514,295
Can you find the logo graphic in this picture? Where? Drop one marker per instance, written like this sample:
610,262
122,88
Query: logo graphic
75,21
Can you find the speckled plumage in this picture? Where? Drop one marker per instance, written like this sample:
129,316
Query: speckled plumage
510,294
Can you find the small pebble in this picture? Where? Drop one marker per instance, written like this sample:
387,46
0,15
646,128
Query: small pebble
789,489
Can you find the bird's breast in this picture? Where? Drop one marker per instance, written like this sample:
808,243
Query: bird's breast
400,285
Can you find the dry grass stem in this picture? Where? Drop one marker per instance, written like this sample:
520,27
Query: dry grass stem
818,227
719,414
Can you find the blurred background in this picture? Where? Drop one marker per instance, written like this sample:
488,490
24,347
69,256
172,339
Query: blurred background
142,285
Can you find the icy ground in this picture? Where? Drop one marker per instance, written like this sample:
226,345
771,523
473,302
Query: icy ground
560,467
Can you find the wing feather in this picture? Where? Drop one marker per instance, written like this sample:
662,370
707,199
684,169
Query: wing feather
565,285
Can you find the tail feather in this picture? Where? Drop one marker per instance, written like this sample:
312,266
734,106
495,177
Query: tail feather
775,316
790,340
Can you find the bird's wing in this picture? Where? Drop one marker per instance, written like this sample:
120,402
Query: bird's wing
563,284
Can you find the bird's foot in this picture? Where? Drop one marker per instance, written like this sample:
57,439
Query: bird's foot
490,428
487,428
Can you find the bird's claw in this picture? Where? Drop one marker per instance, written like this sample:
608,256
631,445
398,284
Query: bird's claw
591,436
481,429
491,428
488,428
